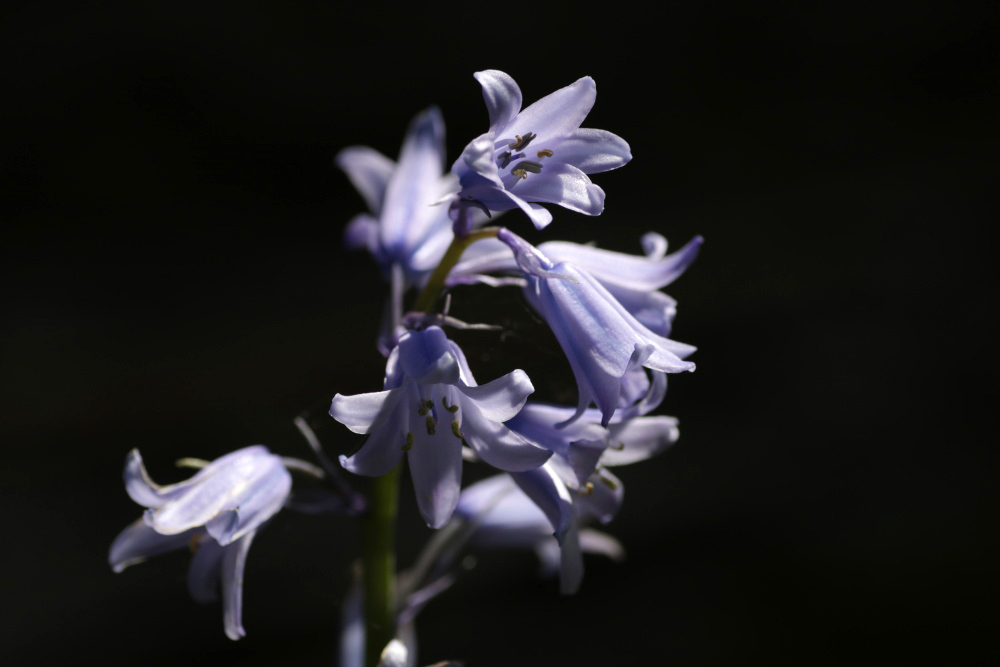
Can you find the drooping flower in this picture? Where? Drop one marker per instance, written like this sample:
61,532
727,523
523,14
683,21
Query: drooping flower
547,509
540,154
431,406
405,228
634,280
216,513
606,346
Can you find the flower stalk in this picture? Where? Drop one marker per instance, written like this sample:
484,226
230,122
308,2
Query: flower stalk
379,554
436,282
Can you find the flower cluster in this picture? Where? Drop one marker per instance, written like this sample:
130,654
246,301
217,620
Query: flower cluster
425,229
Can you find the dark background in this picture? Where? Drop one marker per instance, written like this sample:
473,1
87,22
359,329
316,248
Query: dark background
173,280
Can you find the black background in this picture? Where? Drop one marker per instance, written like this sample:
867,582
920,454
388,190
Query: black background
173,280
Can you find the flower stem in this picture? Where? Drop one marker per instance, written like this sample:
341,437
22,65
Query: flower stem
378,543
425,301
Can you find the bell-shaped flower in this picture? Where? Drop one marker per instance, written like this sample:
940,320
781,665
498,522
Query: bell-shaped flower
634,280
539,154
407,227
606,345
547,508
216,513
431,406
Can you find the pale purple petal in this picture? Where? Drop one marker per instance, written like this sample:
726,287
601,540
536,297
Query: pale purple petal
352,626
595,542
269,492
592,151
143,490
502,398
384,447
496,444
359,413
369,171
639,439
502,96
362,232
233,562
544,487
629,271
561,184
557,114
138,542
570,562
604,501
426,357
225,484
205,569
436,468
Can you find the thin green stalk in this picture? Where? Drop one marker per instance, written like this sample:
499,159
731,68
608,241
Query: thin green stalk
436,282
379,552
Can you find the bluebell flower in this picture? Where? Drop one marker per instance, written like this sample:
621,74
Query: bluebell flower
431,406
547,508
216,513
606,346
633,280
540,154
408,226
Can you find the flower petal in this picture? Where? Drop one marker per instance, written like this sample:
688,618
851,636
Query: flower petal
426,357
562,184
570,562
593,151
557,114
436,469
498,445
639,439
143,490
233,562
205,570
382,450
138,542
595,542
502,398
606,498
360,412
543,486
369,171
502,96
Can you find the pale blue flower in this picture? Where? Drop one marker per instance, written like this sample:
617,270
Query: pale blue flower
547,508
540,154
634,280
431,406
216,513
408,226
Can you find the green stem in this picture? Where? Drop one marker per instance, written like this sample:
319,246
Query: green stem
379,525
436,282
378,537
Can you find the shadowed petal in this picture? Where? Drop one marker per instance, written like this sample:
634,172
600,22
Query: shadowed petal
550,495
426,357
436,468
233,562
369,171
205,569
384,447
498,445
138,542
502,96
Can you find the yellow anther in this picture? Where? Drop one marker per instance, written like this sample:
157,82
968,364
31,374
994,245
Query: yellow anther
588,488
522,142
195,542
431,425
455,429
409,442
545,152
450,408
520,173
610,483
617,446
